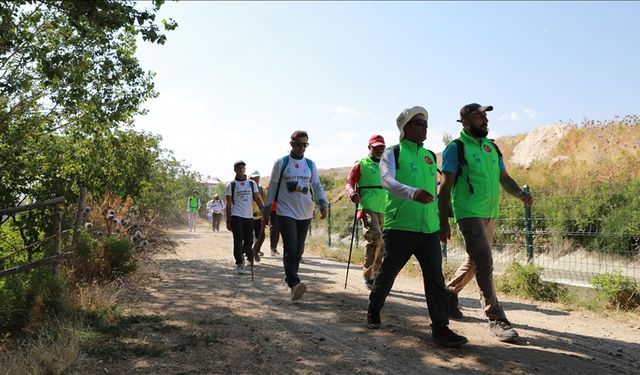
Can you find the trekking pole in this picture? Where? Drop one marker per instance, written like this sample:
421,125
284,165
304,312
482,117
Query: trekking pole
353,231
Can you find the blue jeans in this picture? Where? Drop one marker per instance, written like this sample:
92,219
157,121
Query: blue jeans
294,233
399,245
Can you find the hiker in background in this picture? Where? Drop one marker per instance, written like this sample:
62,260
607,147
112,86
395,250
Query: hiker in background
240,194
473,171
217,210
292,179
274,232
364,187
257,212
193,206
411,227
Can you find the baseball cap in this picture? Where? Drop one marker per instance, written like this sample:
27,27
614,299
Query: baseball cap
255,174
376,140
239,162
407,114
473,108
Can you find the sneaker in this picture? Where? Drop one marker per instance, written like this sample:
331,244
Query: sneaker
301,260
368,284
444,336
503,330
240,269
297,291
373,318
452,305
274,252
260,253
256,257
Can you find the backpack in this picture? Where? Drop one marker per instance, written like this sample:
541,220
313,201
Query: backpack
462,161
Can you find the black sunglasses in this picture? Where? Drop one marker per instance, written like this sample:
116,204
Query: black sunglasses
299,144
419,123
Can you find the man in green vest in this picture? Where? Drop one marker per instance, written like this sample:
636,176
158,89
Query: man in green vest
364,188
472,186
411,224
193,206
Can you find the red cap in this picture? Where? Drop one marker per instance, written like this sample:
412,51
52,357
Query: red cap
376,140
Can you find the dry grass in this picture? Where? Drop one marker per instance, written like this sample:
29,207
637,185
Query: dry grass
51,351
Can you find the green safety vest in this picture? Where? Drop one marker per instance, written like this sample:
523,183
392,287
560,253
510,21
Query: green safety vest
417,169
483,171
371,191
193,203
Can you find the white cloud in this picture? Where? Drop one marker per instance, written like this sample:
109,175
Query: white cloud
514,116
529,112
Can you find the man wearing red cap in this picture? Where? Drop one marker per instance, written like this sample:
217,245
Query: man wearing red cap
364,188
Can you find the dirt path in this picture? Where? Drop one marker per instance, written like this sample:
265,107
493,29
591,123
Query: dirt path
195,315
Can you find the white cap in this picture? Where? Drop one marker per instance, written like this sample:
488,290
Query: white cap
407,114
255,174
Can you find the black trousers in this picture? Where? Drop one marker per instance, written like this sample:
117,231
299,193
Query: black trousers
399,245
242,230
294,233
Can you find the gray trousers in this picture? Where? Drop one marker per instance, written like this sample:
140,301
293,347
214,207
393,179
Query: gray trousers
478,239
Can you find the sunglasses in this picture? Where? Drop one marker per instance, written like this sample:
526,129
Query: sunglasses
419,123
299,144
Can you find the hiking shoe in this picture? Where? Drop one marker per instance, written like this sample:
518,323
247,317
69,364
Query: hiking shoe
444,336
256,257
452,305
297,291
260,253
274,252
240,269
301,260
502,329
373,318
368,284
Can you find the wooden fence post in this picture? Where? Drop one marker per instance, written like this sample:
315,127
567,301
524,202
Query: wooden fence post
57,228
79,214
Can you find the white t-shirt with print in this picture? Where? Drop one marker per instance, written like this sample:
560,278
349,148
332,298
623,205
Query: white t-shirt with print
243,198
297,204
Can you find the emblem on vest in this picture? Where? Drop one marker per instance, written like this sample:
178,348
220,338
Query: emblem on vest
428,160
487,148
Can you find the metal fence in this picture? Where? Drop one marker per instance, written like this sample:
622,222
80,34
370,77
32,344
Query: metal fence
571,235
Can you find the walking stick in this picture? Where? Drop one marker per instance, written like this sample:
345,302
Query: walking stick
353,231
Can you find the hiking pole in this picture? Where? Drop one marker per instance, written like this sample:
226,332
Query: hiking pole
353,231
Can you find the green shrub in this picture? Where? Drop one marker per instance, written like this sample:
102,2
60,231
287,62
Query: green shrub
526,281
85,244
621,292
119,252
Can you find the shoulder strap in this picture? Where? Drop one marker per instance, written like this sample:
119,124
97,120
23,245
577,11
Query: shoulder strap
396,155
233,192
497,148
285,161
462,161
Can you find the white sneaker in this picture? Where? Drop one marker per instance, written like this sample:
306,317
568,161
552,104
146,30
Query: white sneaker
297,291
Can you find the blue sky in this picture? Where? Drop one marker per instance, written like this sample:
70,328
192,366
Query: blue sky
237,78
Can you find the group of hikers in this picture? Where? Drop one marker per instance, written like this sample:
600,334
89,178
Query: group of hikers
404,209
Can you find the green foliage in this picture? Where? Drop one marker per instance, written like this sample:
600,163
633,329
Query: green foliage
26,298
526,281
119,253
85,244
620,292
328,181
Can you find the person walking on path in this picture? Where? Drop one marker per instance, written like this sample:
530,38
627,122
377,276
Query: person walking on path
274,232
364,187
240,194
193,206
473,171
257,212
217,210
411,224
294,179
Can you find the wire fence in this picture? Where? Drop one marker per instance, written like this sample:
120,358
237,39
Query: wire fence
572,235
